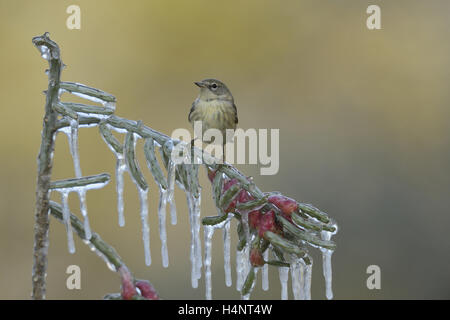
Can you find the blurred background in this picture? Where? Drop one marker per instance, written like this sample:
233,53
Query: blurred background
363,118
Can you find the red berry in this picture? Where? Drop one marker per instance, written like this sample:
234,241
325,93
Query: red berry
228,183
211,174
256,258
253,219
128,288
147,290
267,223
244,196
285,204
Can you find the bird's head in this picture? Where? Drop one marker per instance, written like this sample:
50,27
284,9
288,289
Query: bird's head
211,89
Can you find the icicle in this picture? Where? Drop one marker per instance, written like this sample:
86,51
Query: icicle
72,136
307,283
209,231
265,271
198,244
120,169
326,264
242,266
83,208
194,278
226,253
73,146
145,227
171,173
298,278
162,226
301,284
239,280
295,276
284,277
142,187
66,219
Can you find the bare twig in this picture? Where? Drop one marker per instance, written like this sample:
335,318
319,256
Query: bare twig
50,51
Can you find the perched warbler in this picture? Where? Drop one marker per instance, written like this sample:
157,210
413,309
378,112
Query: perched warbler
214,107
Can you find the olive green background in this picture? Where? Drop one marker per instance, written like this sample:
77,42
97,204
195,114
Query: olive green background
363,118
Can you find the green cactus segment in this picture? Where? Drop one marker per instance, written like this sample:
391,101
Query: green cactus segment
301,234
248,284
153,164
132,165
314,212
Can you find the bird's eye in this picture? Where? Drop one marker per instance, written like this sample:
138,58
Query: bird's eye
214,86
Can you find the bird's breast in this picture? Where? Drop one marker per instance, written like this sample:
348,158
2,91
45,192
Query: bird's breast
217,114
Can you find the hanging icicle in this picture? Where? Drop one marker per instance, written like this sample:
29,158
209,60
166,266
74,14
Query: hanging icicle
209,232
326,265
227,253
66,219
265,271
141,184
72,137
117,148
284,277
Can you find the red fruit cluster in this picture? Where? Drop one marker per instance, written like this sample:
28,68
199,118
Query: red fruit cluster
259,221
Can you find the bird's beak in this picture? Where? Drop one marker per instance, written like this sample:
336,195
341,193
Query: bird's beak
199,84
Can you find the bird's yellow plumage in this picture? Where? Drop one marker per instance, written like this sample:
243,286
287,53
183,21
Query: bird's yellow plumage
214,107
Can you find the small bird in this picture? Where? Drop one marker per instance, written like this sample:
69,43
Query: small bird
214,107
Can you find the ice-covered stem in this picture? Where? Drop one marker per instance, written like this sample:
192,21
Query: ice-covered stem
49,51
161,138
129,283
85,90
80,182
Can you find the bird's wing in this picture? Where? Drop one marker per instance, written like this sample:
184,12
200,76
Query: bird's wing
190,112
235,114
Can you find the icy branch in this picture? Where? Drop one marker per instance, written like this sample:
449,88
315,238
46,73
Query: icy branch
77,88
50,51
268,222
108,254
90,182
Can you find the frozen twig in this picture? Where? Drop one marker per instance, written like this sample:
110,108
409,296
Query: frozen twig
111,257
49,51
